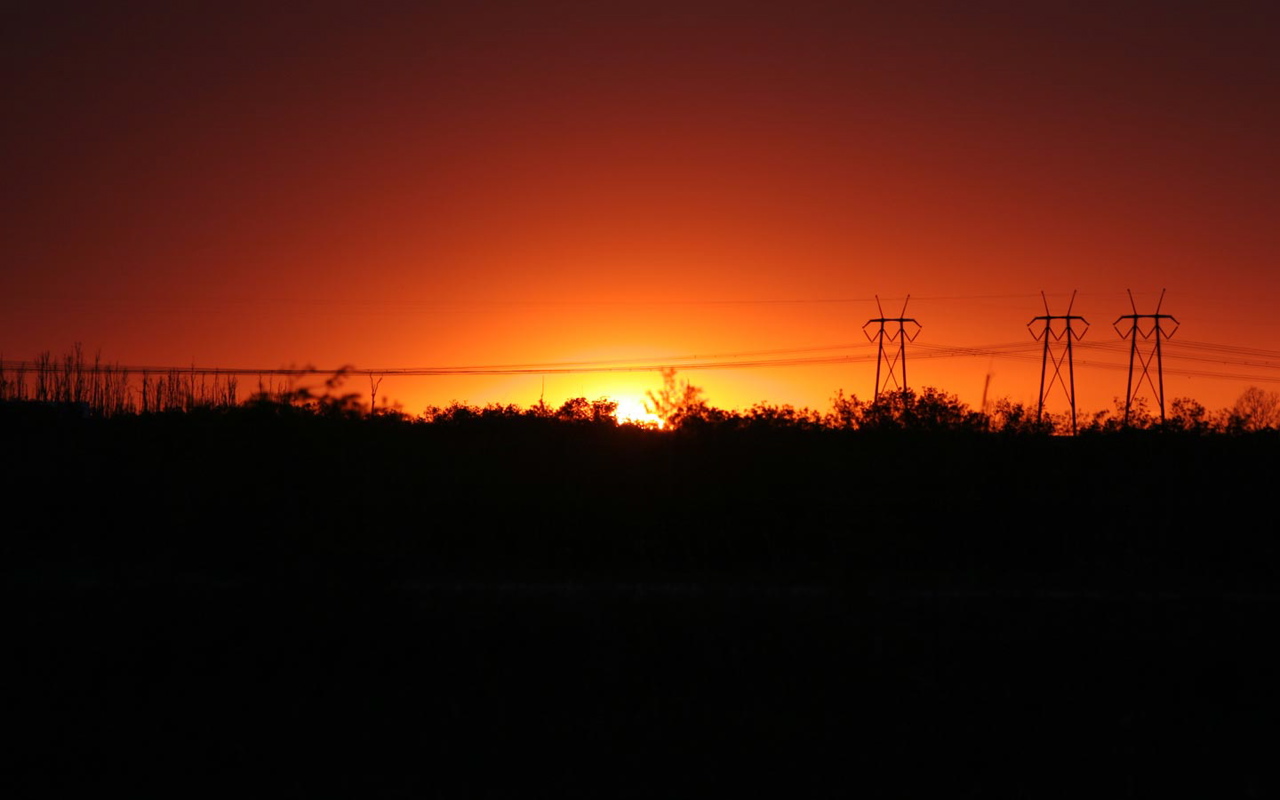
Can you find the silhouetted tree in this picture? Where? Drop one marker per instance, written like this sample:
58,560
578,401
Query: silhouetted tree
764,415
604,411
1009,417
930,410
1188,416
327,403
1110,421
455,412
846,412
678,402
575,409
579,409
1257,409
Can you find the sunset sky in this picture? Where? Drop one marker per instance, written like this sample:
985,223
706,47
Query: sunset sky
266,184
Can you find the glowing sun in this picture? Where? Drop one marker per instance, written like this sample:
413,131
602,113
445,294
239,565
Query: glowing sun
632,410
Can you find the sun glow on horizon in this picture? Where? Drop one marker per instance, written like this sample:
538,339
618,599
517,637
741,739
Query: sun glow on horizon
631,410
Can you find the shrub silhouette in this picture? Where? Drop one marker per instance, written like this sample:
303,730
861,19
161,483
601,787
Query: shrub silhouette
678,402
846,412
930,410
1017,418
579,409
1188,416
96,388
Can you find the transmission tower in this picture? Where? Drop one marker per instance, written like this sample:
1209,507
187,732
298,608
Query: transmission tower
1154,334
885,356
1064,335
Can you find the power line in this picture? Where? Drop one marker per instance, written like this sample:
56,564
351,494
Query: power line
1229,355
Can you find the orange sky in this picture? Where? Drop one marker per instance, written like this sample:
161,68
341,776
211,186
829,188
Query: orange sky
386,186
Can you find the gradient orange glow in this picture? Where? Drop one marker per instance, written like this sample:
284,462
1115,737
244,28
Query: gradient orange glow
392,186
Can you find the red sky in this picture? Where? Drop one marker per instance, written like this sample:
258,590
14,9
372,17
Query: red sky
405,185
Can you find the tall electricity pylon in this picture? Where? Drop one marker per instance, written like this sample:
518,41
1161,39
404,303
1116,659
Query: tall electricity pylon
891,361
1066,335
1155,333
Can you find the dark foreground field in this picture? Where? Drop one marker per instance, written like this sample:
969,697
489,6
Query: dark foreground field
254,605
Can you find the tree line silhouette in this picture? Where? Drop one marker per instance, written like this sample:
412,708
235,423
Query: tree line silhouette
74,384
208,587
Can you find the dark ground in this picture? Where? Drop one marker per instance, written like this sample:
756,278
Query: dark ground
303,607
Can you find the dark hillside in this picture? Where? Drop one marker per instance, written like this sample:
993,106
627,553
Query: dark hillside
308,604
251,493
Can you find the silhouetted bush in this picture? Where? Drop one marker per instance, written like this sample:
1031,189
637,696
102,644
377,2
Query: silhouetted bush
1008,417
100,389
930,410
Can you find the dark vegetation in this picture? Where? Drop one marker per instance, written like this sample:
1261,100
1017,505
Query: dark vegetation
72,385
294,596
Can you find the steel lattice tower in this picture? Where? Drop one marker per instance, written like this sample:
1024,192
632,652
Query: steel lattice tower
891,361
1066,335
1155,334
